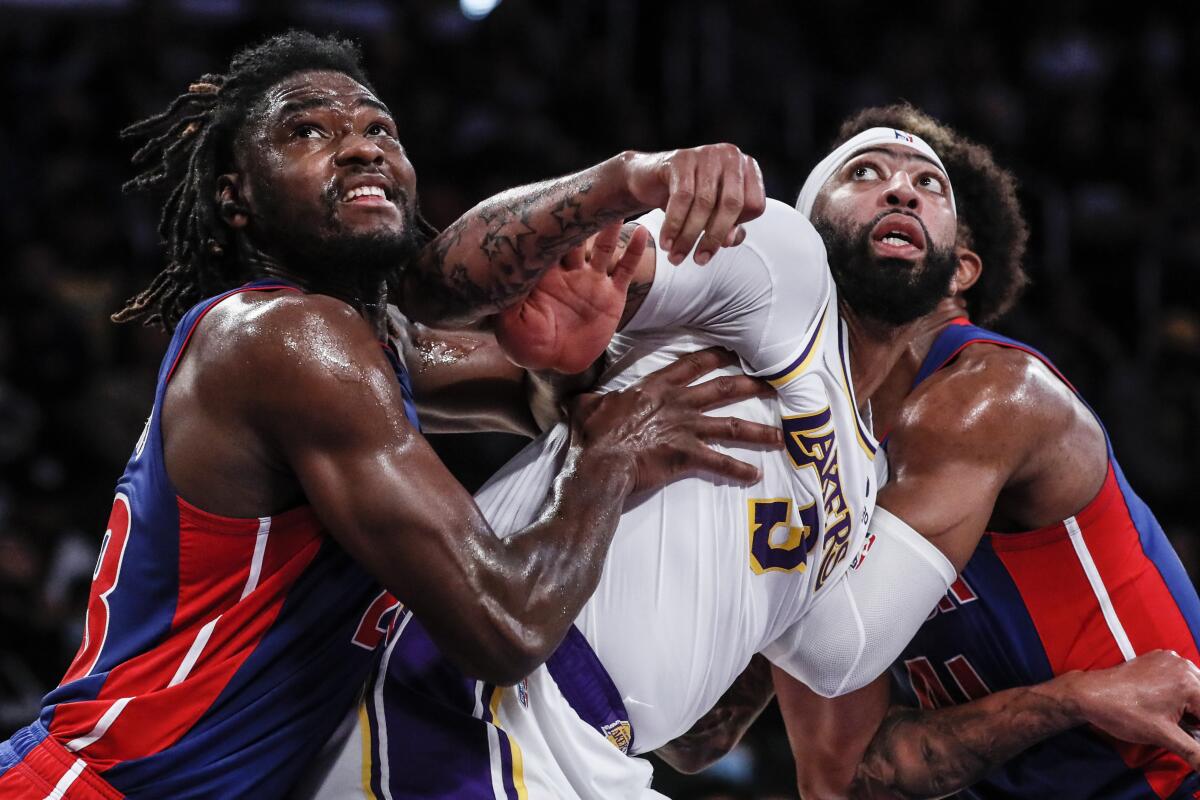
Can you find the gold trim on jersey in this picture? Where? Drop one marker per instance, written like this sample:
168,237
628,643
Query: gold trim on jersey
802,362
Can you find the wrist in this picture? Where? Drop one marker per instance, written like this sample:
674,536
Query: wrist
624,169
602,469
1068,693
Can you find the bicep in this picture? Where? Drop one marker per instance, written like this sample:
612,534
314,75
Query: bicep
829,736
944,484
378,488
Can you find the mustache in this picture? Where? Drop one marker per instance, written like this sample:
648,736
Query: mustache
887,212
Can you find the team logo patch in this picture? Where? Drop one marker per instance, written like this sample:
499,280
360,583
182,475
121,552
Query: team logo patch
523,692
620,733
902,136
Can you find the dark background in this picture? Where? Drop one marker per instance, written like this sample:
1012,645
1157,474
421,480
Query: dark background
1097,117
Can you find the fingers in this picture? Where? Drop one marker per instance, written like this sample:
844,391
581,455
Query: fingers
734,430
682,188
708,184
709,460
754,191
604,247
627,267
1175,739
691,366
718,229
725,390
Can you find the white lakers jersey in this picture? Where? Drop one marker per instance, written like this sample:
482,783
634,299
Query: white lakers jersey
702,575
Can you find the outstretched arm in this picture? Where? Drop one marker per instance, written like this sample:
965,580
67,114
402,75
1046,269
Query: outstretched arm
497,251
857,747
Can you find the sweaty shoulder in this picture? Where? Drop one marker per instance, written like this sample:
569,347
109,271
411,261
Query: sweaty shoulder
996,398
290,353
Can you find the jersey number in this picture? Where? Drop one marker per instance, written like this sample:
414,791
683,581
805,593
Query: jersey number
932,693
104,580
376,621
775,544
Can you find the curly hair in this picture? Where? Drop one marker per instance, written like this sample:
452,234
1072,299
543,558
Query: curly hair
191,143
990,220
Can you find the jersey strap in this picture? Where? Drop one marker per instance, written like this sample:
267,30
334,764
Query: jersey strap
589,690
959,335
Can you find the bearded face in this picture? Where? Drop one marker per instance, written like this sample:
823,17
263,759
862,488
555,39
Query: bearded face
891,290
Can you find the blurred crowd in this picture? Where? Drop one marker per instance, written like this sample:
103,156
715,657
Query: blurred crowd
1095,116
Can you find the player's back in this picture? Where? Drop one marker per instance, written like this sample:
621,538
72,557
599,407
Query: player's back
1090,591
217,651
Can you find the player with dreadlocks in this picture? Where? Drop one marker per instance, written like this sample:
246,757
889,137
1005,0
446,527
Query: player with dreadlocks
281,486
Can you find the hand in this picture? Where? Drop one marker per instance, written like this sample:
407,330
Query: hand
1144,701
658,423
565,323
710,190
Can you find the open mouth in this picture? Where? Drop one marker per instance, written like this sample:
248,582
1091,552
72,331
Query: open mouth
367,195
898,235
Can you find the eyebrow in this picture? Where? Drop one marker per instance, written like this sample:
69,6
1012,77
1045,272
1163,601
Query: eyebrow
906,154
297,106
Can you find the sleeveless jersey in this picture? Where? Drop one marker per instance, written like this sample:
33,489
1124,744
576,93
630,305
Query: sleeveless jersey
701,575
218,653
1086,593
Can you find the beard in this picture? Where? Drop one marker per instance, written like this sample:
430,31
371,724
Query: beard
331,254
893,291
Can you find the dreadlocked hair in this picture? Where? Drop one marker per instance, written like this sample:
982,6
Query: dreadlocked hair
189,144
990,220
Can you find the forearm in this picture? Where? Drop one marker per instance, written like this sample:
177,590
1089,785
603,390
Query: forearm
720,730
925,754
532,586
496,252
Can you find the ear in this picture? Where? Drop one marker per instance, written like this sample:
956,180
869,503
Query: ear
231,203
969,268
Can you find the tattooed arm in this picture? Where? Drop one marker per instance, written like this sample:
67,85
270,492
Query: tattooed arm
855,746
498,250
719,731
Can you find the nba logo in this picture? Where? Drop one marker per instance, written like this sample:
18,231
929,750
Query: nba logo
523,692
905,137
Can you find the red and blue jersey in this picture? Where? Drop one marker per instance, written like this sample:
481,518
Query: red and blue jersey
219,654
1088,592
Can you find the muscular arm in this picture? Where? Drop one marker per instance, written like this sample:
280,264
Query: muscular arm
857,747
497,607
496,252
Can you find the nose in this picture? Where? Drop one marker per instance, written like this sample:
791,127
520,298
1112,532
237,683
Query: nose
358,149
900,191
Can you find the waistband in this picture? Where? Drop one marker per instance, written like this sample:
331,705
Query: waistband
589,689
32,763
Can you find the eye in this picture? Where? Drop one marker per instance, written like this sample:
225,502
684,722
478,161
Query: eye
378,129
306,131
864,172
932,182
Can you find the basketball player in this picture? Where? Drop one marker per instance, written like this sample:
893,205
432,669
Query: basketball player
700,577
281,487
1073,573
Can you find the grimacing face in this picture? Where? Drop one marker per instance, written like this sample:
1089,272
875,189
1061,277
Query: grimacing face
323,175
889,229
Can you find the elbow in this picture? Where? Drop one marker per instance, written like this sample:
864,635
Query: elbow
507,654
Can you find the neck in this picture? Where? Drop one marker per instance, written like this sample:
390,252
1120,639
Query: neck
365,294
913,342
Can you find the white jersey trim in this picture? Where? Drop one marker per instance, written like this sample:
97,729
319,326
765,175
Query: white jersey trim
1098,588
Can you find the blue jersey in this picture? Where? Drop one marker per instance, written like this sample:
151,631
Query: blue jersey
219,654
1085,593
